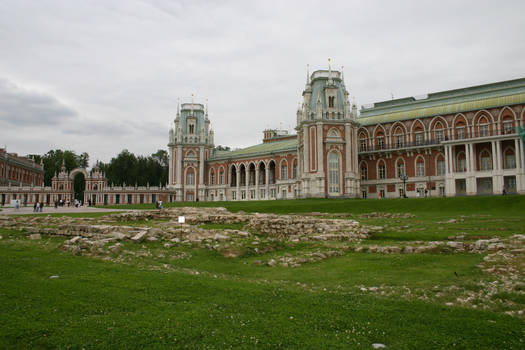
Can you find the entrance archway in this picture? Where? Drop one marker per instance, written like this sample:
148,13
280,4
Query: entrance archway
79,176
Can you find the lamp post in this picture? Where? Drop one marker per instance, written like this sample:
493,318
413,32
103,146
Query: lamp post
404,178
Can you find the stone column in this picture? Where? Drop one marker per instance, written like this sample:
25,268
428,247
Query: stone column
348,158
266,174
447,161
170,181
467,157
247,181
494,156
257,182
320,151
306,151
238,183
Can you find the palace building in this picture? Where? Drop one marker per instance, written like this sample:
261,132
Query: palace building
457,142
449,143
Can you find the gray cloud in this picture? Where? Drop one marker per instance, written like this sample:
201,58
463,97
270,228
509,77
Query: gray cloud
22,107
122,64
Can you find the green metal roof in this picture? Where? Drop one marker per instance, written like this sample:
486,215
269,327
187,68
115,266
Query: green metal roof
446,102
257,150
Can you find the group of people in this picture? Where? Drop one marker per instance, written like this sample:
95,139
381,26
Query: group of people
38,207
62,203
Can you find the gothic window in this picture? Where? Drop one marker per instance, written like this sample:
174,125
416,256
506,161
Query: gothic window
331,101
382,170
333,173
461,163
419,138
190,180
400,167
440,167
485,161
420,167
439,135
221,177
191,129
508,127
483,128
284,171
294,170
212,177
380,142
509,159
364,172
362,145
460,132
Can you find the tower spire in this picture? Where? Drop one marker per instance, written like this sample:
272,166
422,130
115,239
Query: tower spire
191,104
343,75
178,107
206,108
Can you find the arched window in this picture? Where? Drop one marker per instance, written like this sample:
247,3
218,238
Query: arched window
399,138
440,165
380,140
509,161
485,161
333,173
221,176
420,166
483,127
284,170
362,142
190,177
400,167
364,171
294,169
439,132
212,177
331,101
381,170
461,162
233,176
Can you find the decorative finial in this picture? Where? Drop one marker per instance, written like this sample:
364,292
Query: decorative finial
307,74
178,106
206,107
329,72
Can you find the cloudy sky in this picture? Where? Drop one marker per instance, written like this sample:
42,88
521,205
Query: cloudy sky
102,76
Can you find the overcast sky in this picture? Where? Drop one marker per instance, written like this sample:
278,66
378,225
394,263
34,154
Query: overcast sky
102,76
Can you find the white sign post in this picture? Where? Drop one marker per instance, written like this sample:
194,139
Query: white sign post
182,220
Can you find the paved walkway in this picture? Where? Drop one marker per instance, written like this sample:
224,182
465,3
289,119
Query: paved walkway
52,210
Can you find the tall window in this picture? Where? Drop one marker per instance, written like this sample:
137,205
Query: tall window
364,172
221,177
461,132
510,160
461,165
380,142
284,171
441,167
484,129
382,171
362,145
333,173
294,170
400,168
399,141
419,138
439,134
190,180
507,127
420,167
191,129
212,177
485,161
331,101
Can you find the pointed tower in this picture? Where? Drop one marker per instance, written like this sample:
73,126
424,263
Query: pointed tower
327,138
189,148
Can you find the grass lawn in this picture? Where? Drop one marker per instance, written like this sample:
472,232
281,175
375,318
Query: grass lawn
204,300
